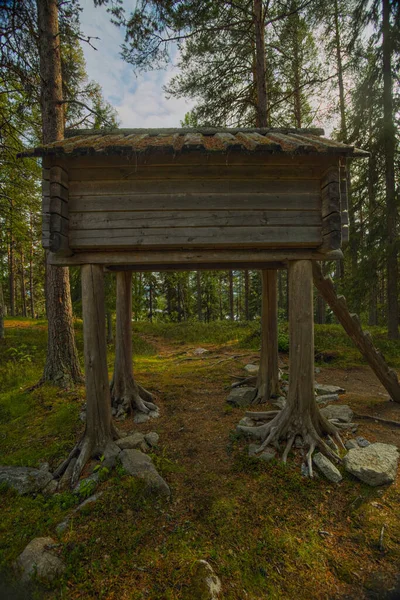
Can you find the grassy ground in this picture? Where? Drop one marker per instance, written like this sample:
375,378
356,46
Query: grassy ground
268,532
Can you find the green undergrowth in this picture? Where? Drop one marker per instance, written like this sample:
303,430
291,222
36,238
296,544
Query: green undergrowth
267,531
332,345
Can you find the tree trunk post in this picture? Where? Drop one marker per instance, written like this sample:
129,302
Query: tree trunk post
126,395
300,417
98,412
301,335
268,374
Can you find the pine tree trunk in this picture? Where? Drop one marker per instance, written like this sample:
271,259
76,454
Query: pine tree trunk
260,65
2,312
62,363
198,296
231,303
110,335
23,289
31,287
246,295
390,146
11,277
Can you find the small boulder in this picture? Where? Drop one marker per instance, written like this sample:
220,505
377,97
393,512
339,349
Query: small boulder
375,464
266,455
140,465
252,369
87,485
242,396
350,444
199,351
362,442
341,412
141,417
327,468
136,440
323,389
152,438
40,560
279,402
327,398
25,480
204,584
247,422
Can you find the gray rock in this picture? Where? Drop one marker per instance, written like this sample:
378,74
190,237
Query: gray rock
279,402
199,351
362,442
247,422
152,438
327,468
51,488
63,526
90,500
375,464
111,450
82,416
135,440
242,396
204,584
140,465
323,389
252,369
266,455
304,470
350,444
327,398
25,480
40,560
317,370
89,483
341,412
141,417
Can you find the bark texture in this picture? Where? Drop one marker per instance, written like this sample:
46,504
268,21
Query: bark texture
268,374
126,395
390,149
301,416
62,363
99,430
2,312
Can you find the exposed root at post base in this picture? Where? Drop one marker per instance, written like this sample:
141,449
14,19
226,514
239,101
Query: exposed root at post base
289,424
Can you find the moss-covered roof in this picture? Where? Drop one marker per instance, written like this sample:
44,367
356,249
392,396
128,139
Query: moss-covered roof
207,140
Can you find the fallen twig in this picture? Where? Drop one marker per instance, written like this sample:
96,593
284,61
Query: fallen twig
372,418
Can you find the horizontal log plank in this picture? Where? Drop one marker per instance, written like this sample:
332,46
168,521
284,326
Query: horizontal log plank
58,224
149,258
168,172
330,176
58,191
153,161
173,219
191,186
197,236
207,201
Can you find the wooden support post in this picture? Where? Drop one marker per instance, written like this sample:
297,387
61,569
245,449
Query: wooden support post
99,428
301,337
268,375
352,326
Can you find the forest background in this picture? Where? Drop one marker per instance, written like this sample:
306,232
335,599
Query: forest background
326,62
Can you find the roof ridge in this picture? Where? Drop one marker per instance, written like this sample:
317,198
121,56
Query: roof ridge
185,130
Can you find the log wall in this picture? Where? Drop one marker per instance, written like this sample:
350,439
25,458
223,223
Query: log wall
115,205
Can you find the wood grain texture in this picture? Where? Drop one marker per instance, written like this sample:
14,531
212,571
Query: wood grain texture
200,201
175,219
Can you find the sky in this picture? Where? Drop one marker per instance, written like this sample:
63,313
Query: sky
138,99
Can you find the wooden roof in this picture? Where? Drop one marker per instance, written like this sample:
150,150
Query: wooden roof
205,140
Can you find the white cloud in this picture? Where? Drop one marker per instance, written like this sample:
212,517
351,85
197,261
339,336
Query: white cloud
139,100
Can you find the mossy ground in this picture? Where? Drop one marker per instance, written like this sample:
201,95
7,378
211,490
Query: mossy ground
268,532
